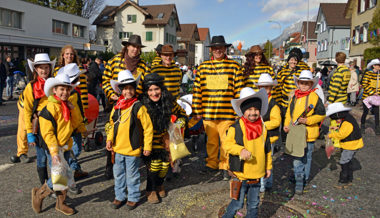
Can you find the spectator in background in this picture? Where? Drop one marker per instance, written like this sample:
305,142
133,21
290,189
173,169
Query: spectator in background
99,91
3,78
93,77
353,85
9,69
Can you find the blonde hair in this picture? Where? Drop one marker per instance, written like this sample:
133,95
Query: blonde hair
61,60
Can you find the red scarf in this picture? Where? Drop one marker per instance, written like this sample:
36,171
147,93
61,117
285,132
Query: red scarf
253,129
123,103
38,88
270,94
65,108
299,94
78,90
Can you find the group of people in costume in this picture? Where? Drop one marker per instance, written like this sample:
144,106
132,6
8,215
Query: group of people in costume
245,110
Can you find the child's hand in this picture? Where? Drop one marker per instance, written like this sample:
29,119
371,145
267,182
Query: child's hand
146,153
334,127
268,173
114,97
70,105
55,159
245,154
286,129
109,146
302,120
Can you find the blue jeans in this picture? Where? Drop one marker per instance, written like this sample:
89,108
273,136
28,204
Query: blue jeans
302,165
9,89
77,149
41,157
127,176
267,183
66,155
252,191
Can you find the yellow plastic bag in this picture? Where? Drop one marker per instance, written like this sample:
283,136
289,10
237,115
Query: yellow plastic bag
61,174
177,146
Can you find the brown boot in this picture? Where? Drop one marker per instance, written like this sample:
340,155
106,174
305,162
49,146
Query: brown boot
38,195
161,191
60,204
152,197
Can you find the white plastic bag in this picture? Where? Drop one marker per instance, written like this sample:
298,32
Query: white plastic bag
61,174
177,146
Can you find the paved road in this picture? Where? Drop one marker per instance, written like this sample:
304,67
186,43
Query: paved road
196,195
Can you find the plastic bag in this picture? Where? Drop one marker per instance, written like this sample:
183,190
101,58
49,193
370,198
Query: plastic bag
61,174
177,146
329,148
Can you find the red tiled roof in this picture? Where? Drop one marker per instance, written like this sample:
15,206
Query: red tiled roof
334,14
203,32
187,31
312,34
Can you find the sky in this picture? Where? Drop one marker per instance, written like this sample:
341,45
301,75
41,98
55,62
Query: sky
241,20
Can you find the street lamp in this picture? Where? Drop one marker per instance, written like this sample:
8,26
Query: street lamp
279,24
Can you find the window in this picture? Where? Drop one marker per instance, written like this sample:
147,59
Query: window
324,26
105,42
365,32
166,37
372,3
319,47
149,36
357,32
131,18
362,5
182,46
325,45
60,27
160,16
78,31
347,44
10,18
171,22
125,35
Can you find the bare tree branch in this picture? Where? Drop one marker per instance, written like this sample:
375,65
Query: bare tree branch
91,7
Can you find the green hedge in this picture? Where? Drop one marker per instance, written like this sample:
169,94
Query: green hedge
371,53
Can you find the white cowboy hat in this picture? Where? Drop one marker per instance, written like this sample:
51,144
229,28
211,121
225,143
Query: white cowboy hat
306,75
61,79
373,62
124,77
185,102
266,80
335,108
248,93
72,70
41,58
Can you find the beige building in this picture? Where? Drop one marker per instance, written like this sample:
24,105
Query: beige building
156,24
309,43
202,53
360,12
187,38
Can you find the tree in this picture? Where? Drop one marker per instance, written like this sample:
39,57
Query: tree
268,48
148,56
91,7
374,26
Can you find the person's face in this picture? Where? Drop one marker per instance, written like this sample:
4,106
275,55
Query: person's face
252,114
167,59
128,92
292,63
267,88
98,61
218,52
68,56
133,51
258,57
304,85
376,67
62,92
8,59
43,70
154,93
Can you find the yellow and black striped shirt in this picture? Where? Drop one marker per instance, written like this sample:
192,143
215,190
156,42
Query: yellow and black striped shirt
216,84
158,136
371,83
172,77
286,85
254,76
157,60
301,65
338,85
82,87
112,69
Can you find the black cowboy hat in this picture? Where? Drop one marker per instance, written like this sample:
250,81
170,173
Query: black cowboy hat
218,41
133,40
158,48
153,79
297,52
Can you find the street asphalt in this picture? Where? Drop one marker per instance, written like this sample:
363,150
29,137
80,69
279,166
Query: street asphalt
192,194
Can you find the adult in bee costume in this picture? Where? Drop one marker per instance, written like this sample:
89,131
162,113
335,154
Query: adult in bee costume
217,82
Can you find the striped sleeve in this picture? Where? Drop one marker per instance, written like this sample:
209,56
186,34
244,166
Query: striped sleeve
157,60
172,77
197,95
107,76
83,90
338,85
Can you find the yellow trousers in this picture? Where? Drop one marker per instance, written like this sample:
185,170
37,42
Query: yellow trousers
22,142
216,131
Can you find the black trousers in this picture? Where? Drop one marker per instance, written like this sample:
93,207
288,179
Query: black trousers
375,110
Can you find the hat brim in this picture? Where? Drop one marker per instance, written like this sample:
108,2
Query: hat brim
336,110
115,85
219,44
373,63
262,95
168,53
274,83
126,43
314,80
185,106
53,82
32,64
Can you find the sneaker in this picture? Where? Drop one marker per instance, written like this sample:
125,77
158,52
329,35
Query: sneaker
15,159
74,190
131,205
116,204
24,158
79,174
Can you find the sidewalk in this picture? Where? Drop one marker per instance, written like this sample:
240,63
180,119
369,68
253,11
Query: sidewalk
9,117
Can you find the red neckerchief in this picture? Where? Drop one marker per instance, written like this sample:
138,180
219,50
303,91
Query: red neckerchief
38,88
65,108
253,129
300,94
225,58
270,94
123,103
78,90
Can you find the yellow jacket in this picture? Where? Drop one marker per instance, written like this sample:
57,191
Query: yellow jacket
122,144
61,135
261,153
314,117
77,102
28,106
274,120
349,135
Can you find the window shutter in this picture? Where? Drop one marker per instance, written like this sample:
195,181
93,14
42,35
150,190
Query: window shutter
134,18
149,36
359,1
120,35
361,34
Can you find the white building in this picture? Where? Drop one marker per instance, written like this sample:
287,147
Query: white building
27,29
156,24
202,53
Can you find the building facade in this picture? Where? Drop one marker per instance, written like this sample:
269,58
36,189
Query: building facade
360,12
202,53
156,24
187,38
27,29
309,43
